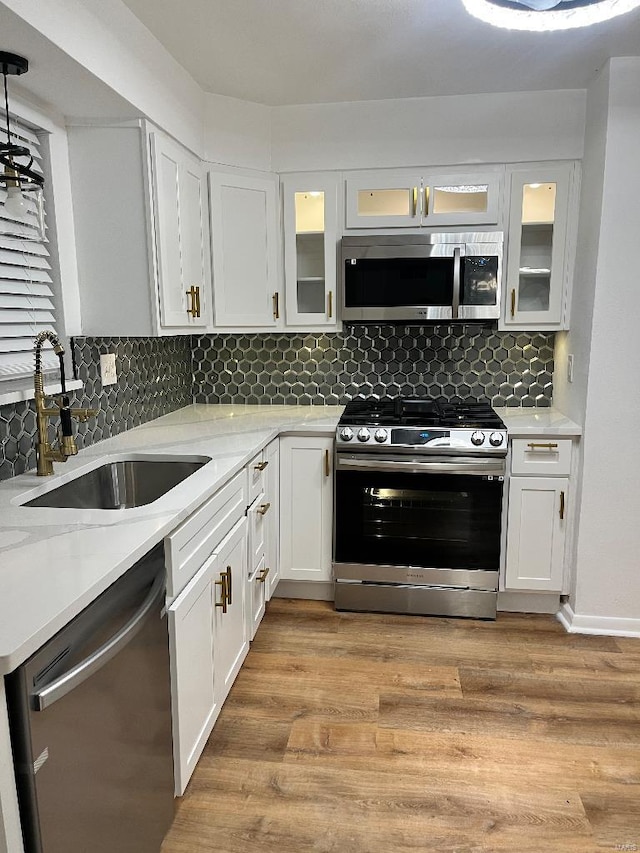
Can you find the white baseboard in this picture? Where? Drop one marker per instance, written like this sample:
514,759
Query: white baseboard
313,590
528,602
612,626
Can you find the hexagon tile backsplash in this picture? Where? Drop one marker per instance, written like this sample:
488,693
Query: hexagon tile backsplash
154,378
159,375
511,369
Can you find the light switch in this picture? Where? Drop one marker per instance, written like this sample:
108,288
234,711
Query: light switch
108,373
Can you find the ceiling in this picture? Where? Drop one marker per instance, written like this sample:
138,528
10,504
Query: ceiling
278,52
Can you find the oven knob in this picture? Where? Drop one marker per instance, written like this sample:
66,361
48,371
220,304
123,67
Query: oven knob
364,434
380,435
477,438
496,439
346,434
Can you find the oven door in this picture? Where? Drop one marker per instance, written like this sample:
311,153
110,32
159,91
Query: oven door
400,519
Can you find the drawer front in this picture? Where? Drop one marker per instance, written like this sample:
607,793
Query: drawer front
256,477
188,547
542,457
259,513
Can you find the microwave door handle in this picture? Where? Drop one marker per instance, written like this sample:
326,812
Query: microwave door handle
457,264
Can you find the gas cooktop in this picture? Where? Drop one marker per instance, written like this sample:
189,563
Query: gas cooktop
429,425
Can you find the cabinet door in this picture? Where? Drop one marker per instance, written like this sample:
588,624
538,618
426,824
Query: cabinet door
539,256
272,495
193,239
193,701
375,200
310,216
462,199
536,529
230,640
244,240
177,194
306,489
256,590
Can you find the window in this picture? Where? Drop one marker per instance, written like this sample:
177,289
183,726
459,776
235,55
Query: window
26,296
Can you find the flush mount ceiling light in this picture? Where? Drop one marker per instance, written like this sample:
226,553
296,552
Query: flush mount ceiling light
542,15
17,176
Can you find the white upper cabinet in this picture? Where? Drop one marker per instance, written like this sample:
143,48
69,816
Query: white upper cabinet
541,246
383,200
425,199
310,226
180,242
245,249
139,216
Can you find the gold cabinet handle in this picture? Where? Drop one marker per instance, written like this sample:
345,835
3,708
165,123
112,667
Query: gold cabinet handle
513,303
414,202
194,308
228,576
276,306
198,300
330,308
327,464
562,506
223,583
261,466
263,509
263,575
545,445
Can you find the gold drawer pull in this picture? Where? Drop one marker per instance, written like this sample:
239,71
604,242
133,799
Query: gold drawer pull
194,310
261,466
228,574
549,445
562,506
263,575
263,509
223,583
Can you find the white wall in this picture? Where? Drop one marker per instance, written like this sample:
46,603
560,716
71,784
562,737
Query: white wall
106,38
603,337
237,133
514,127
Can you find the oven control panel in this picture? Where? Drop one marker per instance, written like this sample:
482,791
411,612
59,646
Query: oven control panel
373,436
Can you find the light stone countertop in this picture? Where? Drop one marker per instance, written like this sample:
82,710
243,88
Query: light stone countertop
541,421
54,562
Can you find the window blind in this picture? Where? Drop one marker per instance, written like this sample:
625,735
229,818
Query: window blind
26,296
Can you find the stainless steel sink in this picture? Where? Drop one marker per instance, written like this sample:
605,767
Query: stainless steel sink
120,485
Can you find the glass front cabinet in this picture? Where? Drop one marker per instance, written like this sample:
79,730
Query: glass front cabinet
541,246
310,219
406,199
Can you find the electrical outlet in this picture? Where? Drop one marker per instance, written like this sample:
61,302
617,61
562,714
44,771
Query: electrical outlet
570,367
108,372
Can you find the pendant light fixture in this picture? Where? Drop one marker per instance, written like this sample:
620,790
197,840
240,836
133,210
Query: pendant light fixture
544,15
20,181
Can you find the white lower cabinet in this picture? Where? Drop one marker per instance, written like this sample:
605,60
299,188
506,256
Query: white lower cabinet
272,495
230,639
208,642
536,532
306,503
194,705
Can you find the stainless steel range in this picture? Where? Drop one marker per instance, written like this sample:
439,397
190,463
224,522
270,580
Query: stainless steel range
418,507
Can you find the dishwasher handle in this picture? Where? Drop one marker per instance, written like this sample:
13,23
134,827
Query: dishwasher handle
74,677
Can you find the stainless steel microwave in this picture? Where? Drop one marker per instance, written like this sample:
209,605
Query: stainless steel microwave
421,278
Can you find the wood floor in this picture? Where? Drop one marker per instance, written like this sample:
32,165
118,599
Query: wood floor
362,733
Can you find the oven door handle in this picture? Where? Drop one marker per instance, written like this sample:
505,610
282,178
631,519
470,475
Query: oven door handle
468,467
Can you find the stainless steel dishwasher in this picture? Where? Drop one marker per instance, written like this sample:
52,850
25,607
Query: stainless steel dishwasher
90,717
